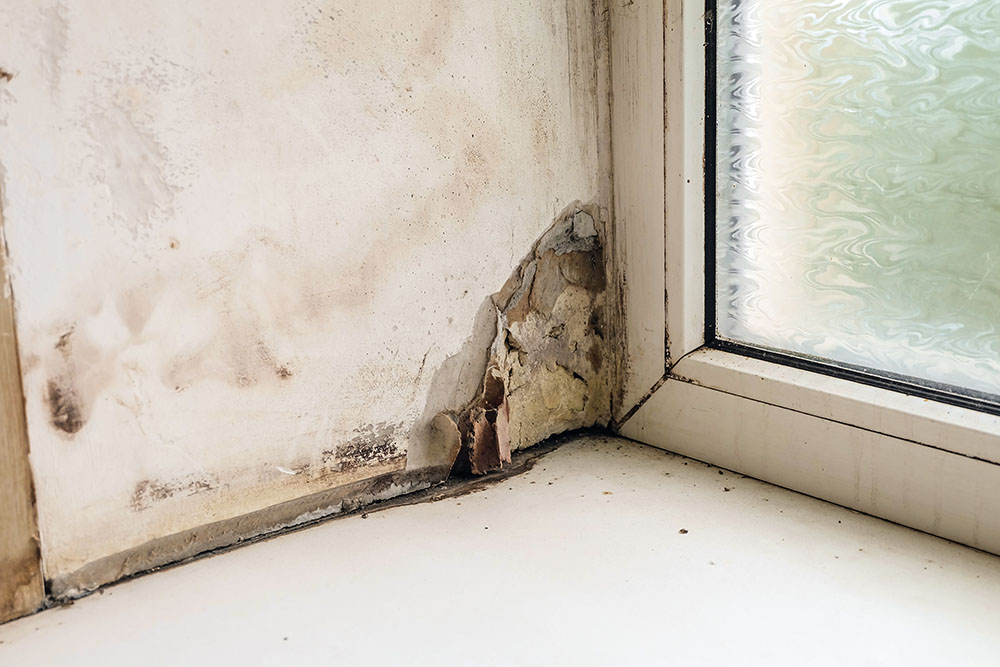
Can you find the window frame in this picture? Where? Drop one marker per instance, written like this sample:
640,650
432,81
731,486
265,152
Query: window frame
902,456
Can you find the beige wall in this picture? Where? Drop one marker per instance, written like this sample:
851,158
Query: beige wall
244,236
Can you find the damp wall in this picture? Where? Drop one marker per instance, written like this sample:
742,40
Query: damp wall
250,247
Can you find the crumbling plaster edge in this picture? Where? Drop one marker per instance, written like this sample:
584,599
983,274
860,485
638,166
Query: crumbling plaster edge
541,356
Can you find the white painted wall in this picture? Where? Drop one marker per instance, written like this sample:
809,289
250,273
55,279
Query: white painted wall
263,226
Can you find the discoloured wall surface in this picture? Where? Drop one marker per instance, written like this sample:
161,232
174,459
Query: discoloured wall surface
244,242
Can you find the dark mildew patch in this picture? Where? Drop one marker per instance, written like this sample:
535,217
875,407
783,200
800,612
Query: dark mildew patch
375,443
64,406
60,393
149,492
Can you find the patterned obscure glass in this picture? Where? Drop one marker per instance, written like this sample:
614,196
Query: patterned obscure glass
858,183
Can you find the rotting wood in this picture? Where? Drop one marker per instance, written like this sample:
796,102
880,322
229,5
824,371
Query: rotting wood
21,585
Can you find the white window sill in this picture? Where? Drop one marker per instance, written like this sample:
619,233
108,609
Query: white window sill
578,561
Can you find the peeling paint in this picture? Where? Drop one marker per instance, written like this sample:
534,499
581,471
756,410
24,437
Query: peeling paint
545,372
484,428
435,439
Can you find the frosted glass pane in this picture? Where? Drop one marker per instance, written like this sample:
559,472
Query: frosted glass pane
858,183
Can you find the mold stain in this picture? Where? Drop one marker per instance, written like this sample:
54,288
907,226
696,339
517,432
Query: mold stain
374,444
78,368
64,407
150,492
60,393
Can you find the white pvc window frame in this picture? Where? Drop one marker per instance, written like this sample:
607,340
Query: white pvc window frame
929,465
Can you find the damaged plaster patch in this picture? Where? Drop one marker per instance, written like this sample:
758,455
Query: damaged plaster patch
434,440
545,372
484,428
